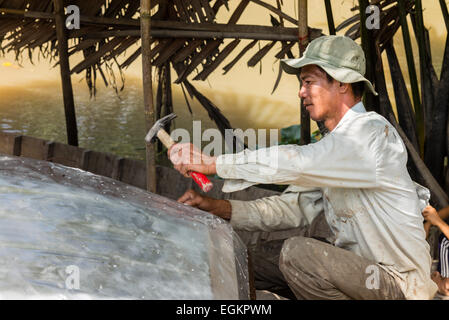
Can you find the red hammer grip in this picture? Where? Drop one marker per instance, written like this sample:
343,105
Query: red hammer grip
202,181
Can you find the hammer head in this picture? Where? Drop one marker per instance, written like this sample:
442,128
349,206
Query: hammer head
158,125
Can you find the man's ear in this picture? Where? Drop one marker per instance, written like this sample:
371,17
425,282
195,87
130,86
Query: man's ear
344,87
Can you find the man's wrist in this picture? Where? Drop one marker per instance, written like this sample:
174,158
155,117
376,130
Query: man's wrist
223,209
213,167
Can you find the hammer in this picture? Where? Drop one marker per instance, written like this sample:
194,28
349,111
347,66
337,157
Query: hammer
158,131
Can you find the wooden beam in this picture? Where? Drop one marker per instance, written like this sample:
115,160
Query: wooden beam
67,90
145,28
303,41
222,27
27,14
158,24
276,35
83,19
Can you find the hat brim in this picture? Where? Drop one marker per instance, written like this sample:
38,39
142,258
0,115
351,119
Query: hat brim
345,75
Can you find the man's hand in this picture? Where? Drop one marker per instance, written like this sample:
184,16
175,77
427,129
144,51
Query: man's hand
220,208
431,215
186,157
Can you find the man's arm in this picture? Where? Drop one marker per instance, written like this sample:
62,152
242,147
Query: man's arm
275,213
331,162
282,212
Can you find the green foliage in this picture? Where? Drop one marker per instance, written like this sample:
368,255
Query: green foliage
292,135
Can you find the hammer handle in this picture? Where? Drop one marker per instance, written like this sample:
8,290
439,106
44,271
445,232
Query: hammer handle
165,138
202,181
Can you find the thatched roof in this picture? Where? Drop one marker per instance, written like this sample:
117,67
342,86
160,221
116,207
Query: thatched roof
184,33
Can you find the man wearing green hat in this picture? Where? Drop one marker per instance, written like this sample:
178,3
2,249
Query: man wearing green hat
355,177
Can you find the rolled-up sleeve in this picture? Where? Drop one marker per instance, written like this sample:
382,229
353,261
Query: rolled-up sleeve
282,212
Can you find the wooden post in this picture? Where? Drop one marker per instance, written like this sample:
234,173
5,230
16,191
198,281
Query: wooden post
67,91
145,30
330,17
303,34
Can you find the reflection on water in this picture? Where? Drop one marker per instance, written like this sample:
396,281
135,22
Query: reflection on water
105,124
115,124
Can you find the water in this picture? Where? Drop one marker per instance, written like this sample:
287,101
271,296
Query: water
115,123
107,123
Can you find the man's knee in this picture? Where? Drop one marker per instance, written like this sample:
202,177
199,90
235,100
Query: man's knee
301,254
293,253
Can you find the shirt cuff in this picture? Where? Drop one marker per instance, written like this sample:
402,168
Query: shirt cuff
240,217
225,164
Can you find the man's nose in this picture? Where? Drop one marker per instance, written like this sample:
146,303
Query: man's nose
302,93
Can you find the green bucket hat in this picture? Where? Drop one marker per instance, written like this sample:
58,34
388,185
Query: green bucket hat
339,56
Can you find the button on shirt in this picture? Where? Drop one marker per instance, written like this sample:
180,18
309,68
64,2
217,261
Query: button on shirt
370,202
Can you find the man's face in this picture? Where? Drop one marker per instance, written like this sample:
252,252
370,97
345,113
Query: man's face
318,94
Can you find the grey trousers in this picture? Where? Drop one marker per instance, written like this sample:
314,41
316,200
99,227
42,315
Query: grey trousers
303,267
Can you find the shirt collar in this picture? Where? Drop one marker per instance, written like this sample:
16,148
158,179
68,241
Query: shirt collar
357,108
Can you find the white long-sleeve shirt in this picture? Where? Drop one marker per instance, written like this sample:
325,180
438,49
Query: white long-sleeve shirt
370,202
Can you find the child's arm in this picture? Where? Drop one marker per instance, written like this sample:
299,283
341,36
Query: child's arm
444,227
432,216
444,213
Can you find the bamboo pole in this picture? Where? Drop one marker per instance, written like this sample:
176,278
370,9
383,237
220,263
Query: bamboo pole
145,27
303,32
303,41
66,81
